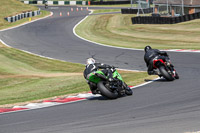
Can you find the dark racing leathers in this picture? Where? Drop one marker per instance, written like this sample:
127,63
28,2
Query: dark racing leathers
150,55
94,67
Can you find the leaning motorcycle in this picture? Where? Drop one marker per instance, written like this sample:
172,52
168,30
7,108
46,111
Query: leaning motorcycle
105,87
166,68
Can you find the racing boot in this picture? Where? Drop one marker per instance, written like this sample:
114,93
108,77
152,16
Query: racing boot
128,90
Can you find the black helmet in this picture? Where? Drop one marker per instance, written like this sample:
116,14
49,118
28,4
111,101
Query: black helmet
147,48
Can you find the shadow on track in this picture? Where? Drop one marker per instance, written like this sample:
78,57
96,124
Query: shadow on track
101,98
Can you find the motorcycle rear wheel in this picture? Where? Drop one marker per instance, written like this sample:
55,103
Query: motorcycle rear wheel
165,74
106,92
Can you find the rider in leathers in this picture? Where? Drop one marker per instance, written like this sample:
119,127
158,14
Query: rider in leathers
149,55
92,66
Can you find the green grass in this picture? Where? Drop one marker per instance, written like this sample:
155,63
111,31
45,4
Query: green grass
6,24
13,7
25,77
10,8
118,30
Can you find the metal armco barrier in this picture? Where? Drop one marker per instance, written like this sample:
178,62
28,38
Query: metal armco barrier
135,11
22,15
164,20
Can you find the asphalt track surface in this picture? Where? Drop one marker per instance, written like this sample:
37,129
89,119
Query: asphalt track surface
159,107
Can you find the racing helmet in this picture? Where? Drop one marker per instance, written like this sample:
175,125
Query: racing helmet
90,61
147,48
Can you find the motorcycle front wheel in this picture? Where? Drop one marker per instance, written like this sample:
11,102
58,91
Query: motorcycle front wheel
106,92
165,74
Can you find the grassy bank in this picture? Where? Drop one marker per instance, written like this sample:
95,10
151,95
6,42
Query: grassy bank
25,77
118,30
6,24
10,8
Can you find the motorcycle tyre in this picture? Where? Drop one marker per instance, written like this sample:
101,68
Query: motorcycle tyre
106,92
165,74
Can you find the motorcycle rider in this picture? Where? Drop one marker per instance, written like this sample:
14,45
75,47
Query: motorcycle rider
149,56
92,66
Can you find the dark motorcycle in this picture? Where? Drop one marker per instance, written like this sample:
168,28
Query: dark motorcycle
165,68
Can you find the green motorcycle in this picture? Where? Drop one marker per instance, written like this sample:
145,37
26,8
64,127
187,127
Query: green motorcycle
109,89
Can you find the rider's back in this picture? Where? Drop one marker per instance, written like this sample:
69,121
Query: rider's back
150,54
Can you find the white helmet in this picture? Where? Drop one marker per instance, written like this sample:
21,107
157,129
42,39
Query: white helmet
90,61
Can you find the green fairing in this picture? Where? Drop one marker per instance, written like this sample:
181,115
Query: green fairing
93,78
116,74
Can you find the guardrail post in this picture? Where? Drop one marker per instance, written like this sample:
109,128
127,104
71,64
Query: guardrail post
19,16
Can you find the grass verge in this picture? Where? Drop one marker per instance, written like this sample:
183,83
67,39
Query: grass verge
8,25
118,30
10,8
